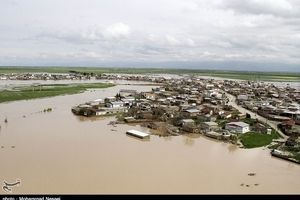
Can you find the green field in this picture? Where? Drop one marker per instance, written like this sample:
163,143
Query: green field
46,90
242,75
253,140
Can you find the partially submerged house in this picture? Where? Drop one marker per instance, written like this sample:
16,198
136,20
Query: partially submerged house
209,126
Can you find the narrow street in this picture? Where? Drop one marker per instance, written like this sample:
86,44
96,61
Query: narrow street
253,115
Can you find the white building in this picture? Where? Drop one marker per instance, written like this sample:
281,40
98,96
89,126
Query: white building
128,101
100,112
242,97
237,127
115,104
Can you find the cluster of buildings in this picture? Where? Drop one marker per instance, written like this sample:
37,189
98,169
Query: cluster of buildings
46,76
280,104
74,75
108,106
190,105
267,99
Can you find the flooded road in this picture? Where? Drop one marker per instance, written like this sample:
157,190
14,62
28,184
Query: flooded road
60,153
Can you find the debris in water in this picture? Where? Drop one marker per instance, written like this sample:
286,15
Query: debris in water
24,116
5,120
247,185
111,123
242,184
13,147
251,174
2,147
256,184
47,110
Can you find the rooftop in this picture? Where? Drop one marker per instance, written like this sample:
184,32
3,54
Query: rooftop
187,121
240,124
211,123
192,110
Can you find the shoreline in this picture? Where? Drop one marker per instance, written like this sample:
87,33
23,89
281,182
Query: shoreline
60,141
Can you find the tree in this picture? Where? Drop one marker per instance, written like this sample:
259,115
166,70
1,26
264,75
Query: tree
234,138
118,96
248,116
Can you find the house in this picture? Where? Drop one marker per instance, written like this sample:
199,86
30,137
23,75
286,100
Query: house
237,127
291,141
129,119
185,122
204,118
109,99
260,128
225,115
149,95
288,123
191,128
99,112
209,86
213,134
209,126
128,101
190,113
115,104
242,97
241,116
144,115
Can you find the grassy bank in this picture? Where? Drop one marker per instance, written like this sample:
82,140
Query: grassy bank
242,75
46,90
253,140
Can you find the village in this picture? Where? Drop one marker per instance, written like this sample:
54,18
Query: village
247,113
73,75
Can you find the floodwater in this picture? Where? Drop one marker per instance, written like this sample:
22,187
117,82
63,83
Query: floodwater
60,153
8,84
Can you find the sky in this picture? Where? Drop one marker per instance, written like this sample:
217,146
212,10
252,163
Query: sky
262,35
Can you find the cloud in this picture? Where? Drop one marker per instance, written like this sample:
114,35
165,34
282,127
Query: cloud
116,31
172,40
93,34
265,31
279,8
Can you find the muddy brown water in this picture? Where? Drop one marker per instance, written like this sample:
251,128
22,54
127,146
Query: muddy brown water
59,153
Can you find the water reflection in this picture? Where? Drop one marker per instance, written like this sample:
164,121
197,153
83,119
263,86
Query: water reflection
92,119
193,135
147,139
167,138
232,148
188,141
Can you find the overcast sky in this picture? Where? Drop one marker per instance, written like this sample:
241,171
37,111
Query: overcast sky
223,34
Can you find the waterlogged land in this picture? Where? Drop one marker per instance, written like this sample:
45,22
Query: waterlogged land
47,90
242,75
60,153
253,140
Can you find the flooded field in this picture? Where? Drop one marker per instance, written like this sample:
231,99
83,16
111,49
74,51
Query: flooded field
8,84
60,153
